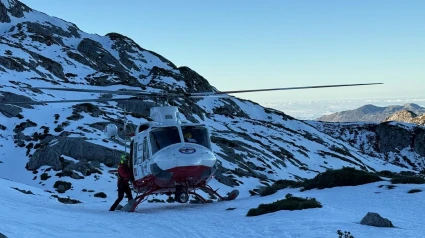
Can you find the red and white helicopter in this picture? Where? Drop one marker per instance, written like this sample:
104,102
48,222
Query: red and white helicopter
168,156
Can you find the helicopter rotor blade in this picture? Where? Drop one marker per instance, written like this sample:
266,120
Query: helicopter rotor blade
139,94
70,101
209,95
120,92
276,89
135,93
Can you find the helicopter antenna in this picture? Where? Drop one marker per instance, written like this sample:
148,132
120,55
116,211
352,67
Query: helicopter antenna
125,129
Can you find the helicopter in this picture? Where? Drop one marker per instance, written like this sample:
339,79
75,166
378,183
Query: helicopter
167,155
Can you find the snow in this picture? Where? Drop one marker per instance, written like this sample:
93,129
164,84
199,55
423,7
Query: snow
41,215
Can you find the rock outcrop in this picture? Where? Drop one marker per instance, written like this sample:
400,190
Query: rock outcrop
374,219
51,150
396,142
408,117
14,7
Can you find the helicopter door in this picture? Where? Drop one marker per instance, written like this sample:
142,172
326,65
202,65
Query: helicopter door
146,156
138,156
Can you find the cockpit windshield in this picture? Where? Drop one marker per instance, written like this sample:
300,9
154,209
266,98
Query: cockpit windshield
162,137
196,134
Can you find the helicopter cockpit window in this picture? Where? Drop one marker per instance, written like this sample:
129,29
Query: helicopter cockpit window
196,134
162,137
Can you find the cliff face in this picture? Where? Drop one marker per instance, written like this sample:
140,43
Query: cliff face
396,142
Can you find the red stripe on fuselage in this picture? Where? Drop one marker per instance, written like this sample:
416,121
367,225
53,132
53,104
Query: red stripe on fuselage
190,176
187,173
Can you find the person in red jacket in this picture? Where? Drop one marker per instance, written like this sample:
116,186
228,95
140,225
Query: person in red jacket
124,177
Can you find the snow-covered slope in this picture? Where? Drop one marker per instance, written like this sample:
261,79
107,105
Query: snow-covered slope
45,143
41,215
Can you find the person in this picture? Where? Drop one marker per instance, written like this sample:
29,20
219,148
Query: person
124,177
188,137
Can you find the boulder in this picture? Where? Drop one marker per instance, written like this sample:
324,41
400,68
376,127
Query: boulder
62,186
374,219
100,195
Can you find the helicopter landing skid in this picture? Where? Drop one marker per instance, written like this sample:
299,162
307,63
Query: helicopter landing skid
132,205
231,196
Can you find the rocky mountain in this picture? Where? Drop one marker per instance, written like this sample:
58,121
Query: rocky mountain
370,113
407,116
60,147
402,144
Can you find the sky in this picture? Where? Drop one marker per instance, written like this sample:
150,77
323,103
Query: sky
276,43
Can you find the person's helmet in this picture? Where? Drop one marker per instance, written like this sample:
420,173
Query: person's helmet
123,159
187,135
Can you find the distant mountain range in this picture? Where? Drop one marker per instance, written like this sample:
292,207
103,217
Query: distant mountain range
372,113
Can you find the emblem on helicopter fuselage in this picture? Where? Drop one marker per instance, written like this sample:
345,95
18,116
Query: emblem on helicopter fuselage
187,150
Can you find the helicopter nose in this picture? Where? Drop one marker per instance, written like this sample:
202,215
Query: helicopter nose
194,156
185,155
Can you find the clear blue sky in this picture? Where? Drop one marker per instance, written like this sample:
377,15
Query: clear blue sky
273,43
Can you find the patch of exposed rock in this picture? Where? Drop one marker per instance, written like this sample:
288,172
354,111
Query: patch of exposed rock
93,110
392,137
20,65
16,9
66,200
9,110
104,62
407,116
374,219
194,81
100,195
231,109
52,149
123,44
418,142
62,186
